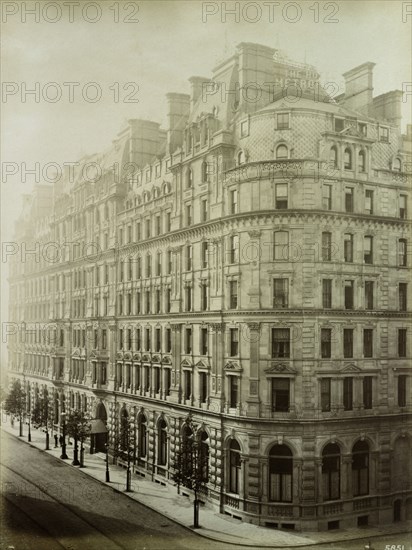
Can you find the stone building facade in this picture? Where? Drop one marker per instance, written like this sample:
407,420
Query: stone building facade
241,276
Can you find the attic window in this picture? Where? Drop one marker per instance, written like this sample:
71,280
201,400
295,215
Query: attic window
158,171
339,124
283,121
363,128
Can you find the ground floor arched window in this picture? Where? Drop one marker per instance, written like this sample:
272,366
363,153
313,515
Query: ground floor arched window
234,467
331,472
162,443
360,468
280,474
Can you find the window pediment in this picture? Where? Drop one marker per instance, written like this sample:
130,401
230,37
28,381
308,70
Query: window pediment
202,365
233,366
351,367
280,368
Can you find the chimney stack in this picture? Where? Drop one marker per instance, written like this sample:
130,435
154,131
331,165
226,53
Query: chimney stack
177,115
197,84
388,106
359,87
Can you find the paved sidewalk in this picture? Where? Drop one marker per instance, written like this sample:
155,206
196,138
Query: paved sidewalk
164,499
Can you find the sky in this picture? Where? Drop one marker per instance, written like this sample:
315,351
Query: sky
136,52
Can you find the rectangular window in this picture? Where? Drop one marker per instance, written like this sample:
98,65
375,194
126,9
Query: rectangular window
147,294
168,296
369,201
148,339
205,255
327,197
138,303
188,340
121,338
348,342
280,293
383,134
234,342
204,295
402,252
104,339
368,249
203,210
280,342
369,288
363,128
158,225
188,384
326,246
348,247
188,298
349,287
129,338
326,343
348,394
281,245
148,265
159,264
325,394
203,341
169,262
281,196
280,394
368,342
233,294
139,267
402,342
168,380
367,392
327,293
402,390
233,201
138,231
168,222
96,339
402,206
138,339
188,213
156,373
283,121
147,228
233,391
349,199
339,124
168,344
158,340
203,386
403,296
234,249
189,257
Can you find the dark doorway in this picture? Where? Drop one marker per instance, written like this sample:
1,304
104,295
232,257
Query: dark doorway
397,510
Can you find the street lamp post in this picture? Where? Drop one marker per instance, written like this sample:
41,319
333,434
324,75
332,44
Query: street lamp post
63,455
107,463
29,433
75,461
81,453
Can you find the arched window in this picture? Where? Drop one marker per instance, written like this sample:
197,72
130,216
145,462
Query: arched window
396,166
162,443
333,157
361,161
281,152
187,451
234,467
280,474
240,158
281,245
204,456
204,171
360,468
124,429
347,159
142,427
331,472
189,178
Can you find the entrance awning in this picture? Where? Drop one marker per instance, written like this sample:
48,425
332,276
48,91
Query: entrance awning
97,426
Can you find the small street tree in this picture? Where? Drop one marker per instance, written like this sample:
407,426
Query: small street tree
124,447
191,468
15,403
78,427
42,415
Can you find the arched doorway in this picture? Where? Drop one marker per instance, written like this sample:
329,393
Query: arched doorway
397,506
99,433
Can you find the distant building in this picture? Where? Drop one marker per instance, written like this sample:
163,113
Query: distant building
242,276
